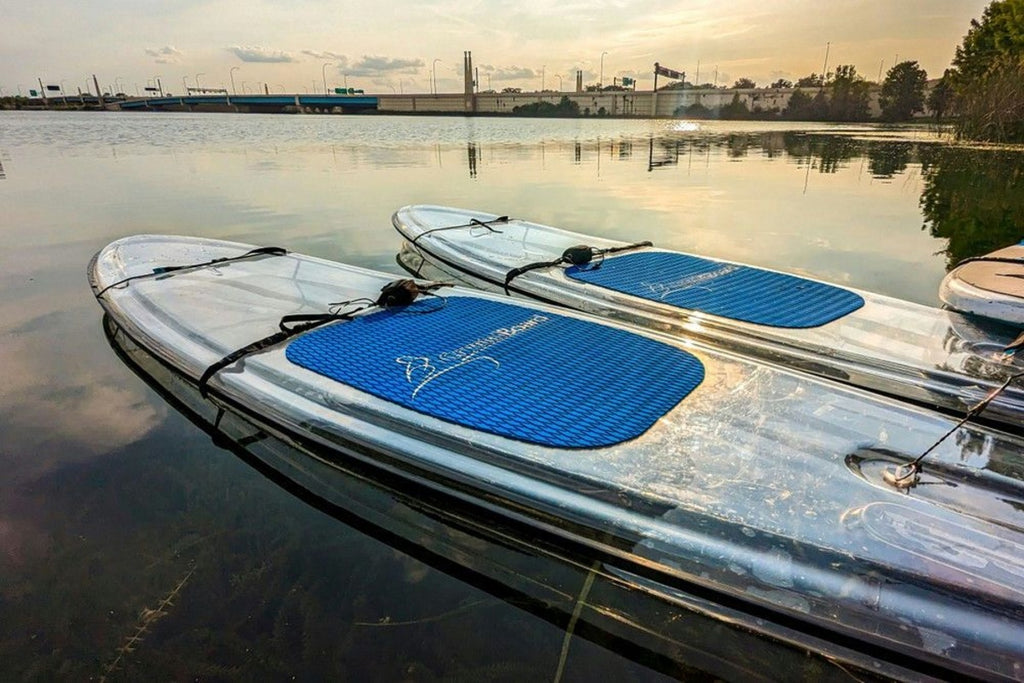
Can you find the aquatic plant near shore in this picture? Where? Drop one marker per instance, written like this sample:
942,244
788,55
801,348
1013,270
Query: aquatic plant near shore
147,617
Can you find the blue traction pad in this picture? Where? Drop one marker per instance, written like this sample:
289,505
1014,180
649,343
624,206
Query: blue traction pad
728,290
517,372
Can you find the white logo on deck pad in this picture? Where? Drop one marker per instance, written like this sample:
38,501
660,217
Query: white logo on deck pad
422,370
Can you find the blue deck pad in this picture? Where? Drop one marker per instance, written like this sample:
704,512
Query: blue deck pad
517,372
728,290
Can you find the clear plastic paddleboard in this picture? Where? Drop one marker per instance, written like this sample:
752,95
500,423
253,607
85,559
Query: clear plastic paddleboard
761,489
930,356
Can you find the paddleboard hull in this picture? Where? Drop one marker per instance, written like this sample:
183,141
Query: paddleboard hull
989,287
759,490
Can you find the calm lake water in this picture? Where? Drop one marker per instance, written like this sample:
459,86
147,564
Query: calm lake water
132,545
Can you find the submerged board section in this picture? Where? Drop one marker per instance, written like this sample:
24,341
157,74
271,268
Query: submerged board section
517,372
724,289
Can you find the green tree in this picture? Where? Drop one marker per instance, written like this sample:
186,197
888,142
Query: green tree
694,111
803,107
565,108
941,96
781,83
799,106
735,110
850,99
1000,33
812,81
903,91
988,77
744,83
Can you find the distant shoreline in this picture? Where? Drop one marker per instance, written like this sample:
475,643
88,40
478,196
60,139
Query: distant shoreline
766,104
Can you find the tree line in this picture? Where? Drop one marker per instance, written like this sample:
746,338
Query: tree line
841,95
982,93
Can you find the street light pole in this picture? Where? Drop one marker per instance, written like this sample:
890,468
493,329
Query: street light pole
199,87
231,75
600,81
323,74
824,68
559,77
433,69
184,84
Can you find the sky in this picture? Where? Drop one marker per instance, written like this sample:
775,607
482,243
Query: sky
398,46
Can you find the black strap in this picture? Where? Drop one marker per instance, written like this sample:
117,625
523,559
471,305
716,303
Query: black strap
473,223
305,322
392,295
906,475
579,255
163,270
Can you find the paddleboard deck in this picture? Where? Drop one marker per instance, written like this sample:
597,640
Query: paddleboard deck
990,286
676,633
737,484
936,358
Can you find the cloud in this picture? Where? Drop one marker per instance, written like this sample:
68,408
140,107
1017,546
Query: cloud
260,54
375,66
165,54
340,59
512,73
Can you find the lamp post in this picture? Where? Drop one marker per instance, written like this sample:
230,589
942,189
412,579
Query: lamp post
199,87
159,87
824,68
231,75
600,81
433,70
243,88
323,74
559,77
184,83
117,85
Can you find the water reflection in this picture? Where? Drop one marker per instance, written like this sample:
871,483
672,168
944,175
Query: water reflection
518,566
471,156
109,499
974,198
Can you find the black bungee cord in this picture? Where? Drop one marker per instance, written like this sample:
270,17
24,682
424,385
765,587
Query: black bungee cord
579,255
473,223
906,476
396,294
165,270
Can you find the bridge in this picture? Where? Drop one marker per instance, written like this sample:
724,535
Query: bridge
340,104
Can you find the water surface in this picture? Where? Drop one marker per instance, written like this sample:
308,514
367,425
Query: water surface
113,502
